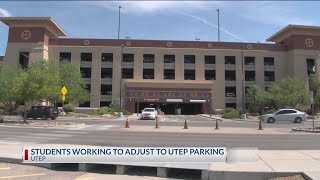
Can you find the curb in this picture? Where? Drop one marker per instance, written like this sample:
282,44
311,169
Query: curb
305,130
210,118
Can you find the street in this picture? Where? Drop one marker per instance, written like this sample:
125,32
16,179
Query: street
113,133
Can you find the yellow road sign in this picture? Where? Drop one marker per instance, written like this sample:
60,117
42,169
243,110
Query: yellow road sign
64,90
63,98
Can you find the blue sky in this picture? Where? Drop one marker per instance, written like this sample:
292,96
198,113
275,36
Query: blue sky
240,21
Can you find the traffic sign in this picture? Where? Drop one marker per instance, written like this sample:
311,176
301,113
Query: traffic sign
64,90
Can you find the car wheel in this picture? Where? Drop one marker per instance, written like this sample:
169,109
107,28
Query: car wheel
298,120
271,120
44,117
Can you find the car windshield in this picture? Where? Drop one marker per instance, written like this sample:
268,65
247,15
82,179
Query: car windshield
148,110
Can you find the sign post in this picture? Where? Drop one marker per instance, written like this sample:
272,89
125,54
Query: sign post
312,106
63,92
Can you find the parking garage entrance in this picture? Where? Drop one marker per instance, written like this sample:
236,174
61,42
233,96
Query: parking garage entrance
180,98
172,108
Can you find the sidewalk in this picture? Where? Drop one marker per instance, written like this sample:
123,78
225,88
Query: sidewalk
307,161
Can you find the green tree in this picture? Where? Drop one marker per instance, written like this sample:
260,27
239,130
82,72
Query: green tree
71,78
40,81
314,85
8,98
289,92
257,99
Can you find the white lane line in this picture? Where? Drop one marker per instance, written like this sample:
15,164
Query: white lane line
52,135
69,132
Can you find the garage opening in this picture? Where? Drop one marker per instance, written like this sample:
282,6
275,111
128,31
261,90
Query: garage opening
172,108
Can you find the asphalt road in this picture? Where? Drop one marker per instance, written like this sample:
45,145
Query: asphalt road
193,121
118,137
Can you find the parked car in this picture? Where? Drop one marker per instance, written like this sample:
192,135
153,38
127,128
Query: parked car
292,115
43,112
149,113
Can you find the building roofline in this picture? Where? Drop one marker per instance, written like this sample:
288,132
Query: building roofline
288,28
58,30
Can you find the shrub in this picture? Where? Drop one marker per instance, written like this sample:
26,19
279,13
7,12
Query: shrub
68,108
228,109
105,110
125,112
270,111
232,115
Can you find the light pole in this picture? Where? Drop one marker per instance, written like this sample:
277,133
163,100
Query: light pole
218,25
121,54
119,23
243,83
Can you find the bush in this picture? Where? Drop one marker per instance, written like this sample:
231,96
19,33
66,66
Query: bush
270,111
68,108
232,115
105,110
228,109
125,112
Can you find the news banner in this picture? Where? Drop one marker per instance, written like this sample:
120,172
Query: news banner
76,154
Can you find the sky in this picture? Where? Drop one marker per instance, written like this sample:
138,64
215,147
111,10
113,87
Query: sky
240,21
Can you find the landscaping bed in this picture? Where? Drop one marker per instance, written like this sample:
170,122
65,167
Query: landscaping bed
306,129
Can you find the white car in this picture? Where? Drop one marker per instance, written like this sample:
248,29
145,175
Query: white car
292,115
149,113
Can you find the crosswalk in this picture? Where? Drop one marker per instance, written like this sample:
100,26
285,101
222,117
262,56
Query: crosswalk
35,136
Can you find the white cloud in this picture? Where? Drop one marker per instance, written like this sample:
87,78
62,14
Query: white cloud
213,25
4,13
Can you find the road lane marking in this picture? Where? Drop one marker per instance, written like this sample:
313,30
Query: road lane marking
4,168
20,176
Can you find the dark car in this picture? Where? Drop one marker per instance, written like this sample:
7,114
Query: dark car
43,112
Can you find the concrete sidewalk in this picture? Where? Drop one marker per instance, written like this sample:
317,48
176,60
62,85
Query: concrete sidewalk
306,161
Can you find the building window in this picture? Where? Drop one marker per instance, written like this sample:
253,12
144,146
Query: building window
24,59
128,57
106,89
268,61
249,60
106,72
230,60
148,58
85,72
148,73
86,104
230,75
189,74
269,76
210,74
311,66
86,57
230,91
127,73
65,56
189,59
169,58
231,105
105,103
169,74
106,57
209,59
250,75
88,87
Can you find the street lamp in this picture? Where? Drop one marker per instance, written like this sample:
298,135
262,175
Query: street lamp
119,23
243,82
121,54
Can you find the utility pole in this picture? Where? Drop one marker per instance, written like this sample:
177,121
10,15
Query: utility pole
218,25
119,23
121,54
243,83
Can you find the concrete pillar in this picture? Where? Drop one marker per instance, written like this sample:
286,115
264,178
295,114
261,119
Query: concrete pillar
158,66
122,169
205,175
179,67
162,172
